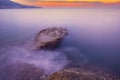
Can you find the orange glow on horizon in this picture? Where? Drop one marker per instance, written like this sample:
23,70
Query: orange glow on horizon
56,4
63,3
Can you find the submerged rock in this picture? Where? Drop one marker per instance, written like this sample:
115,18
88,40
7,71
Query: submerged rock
49,37
81,74
22,71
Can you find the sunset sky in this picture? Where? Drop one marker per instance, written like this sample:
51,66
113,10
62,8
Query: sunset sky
67,3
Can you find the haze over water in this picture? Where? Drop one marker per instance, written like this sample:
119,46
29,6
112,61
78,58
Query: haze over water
92,32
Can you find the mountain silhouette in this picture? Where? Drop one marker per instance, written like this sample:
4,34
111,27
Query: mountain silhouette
6,4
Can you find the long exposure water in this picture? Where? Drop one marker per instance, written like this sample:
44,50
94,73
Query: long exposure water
94,34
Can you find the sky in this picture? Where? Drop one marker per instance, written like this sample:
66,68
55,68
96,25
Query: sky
67,3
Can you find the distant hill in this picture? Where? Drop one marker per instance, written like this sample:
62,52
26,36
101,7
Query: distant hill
101,4
7,4
115,5
98,4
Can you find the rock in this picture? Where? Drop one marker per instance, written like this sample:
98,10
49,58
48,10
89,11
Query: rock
81,74
49,38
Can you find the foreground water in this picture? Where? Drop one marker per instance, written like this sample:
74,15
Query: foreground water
94,34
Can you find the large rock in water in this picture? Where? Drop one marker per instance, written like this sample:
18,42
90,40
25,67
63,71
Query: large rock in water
49,37
81,74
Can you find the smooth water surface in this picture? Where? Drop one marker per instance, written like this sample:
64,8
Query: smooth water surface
93,32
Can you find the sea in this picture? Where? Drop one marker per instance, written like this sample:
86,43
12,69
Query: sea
93,38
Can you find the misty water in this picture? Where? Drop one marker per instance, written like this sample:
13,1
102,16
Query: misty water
93,39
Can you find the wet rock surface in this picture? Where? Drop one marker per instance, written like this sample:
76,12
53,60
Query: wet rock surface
49,37
81,74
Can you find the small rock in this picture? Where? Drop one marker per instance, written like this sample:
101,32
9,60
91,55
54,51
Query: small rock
49,38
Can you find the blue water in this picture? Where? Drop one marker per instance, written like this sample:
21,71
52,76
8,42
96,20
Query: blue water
93,32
